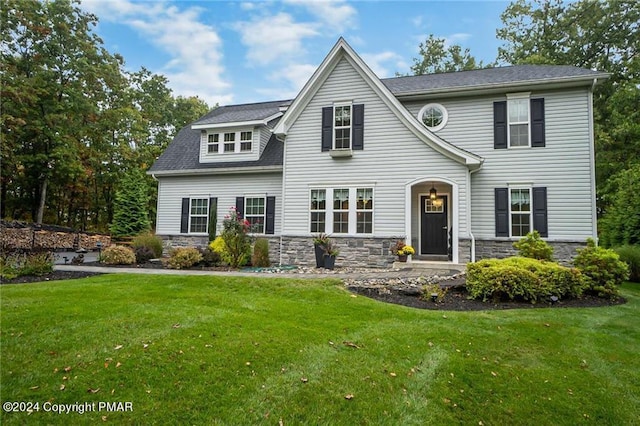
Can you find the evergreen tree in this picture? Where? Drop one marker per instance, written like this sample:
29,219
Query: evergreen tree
130,209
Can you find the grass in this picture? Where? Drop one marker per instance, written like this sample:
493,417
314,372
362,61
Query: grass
217,350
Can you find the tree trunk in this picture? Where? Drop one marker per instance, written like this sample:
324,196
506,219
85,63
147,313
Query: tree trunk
43,196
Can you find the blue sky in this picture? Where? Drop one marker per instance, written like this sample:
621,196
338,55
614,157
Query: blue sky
252,51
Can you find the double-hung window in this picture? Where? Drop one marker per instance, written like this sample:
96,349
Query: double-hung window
364,210
518,115
318,209
342,127
229,142
520,211
254,213
213,143
341,211
245,141
198,215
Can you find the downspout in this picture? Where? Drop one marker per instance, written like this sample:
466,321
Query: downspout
284,161
594,212
473,238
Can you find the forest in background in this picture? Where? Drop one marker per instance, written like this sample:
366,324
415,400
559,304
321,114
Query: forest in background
74,122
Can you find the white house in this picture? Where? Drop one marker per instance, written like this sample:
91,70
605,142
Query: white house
459,165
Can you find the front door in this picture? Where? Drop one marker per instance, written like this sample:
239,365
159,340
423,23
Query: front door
433,225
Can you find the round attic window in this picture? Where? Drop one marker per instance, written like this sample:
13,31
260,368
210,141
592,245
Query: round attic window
434,116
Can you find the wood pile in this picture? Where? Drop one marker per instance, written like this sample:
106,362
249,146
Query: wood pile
19,236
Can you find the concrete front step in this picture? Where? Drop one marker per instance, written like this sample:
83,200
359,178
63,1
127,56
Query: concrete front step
431,268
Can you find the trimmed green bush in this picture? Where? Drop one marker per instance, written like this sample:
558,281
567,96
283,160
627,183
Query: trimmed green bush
184,257
520,278
431,290
602,268
534,247
631,256
260,256
153,242
118,255
37,264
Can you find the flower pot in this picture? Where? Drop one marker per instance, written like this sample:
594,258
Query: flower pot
402,257
329,261
319,255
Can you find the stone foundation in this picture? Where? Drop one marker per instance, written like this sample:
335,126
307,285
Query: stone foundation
563,251
354,252
173,241
464,251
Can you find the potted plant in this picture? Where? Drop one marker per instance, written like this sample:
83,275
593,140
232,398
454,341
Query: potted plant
402,250
320,243
329,257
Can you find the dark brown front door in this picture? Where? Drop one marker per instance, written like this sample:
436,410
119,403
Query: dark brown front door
433,225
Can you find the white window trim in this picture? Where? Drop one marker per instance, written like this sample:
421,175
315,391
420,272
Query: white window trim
334,128
326,202
264,215
237,142
353,211
199,197
513,97
528,187
445,116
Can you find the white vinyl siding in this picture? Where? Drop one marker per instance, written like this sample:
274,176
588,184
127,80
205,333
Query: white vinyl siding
171,191
563,166
392,157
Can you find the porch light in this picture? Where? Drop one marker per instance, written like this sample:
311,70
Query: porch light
433,194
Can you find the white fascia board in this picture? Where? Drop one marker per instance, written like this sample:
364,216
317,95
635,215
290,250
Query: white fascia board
251,123
218,171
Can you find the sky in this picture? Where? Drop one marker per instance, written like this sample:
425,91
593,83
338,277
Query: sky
233,52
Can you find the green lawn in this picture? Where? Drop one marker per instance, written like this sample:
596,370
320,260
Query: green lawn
219,350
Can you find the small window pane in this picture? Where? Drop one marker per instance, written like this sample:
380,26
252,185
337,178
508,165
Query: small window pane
199,206
365,223
229,147
519,135
520,200
341,222
432,117
229,137
198,224
318,199
343,116
341,199
318,222
520,225
518,110
364,199
245,146
343,137
245,136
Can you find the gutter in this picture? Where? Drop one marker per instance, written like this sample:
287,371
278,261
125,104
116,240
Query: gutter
217,171
473,238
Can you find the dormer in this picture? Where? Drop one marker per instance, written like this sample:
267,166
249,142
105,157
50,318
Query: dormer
237,133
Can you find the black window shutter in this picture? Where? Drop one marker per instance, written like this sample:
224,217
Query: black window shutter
540,211
270,221
213,215
327,128
184,218
537,122
502,212
240,206
500,125
358,127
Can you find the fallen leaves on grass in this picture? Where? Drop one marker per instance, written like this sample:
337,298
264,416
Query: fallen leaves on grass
351,344
118,347
93,390
348,396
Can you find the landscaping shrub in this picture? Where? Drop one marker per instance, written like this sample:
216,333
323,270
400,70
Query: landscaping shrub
118,255
261,253
144,254
519,278
184,257
631,256
37,264
237,243
209,257
21,264
431,290
534,247
153,242
131,205
602,268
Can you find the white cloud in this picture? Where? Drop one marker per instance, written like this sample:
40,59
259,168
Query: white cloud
196,66
457,38
335,14
380,63
274,38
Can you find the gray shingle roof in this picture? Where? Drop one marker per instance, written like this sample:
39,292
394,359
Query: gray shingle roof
184,151
240,113
484,77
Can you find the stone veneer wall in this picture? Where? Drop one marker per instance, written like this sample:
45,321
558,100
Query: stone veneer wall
354,252
172,241
464,251
563,251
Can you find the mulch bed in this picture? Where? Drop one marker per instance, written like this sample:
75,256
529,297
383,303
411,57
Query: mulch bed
52,276
457,299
